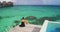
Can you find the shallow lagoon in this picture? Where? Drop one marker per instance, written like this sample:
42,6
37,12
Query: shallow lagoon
9,14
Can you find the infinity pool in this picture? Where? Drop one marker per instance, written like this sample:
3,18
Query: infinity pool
53,27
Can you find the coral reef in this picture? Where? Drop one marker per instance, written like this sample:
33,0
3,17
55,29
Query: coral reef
30,18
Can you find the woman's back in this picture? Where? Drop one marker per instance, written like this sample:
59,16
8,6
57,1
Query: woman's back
22,24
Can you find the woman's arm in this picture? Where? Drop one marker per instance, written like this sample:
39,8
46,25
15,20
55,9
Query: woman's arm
26,22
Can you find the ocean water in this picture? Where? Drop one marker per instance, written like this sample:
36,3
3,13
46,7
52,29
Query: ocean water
9,14
53,27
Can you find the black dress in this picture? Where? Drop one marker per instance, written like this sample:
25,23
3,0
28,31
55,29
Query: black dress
22,24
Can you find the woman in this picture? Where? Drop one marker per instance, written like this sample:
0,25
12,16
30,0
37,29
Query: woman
24,22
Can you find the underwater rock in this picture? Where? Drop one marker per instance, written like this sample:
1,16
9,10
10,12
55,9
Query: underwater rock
58,17
50,18
13,26
42,19
0,17
31,18
7,17
16,22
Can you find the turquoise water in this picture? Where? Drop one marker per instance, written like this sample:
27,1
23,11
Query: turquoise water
9,14
53,27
